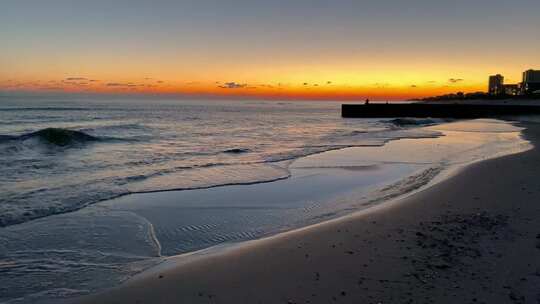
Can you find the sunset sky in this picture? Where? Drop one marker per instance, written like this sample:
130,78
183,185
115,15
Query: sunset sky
293,49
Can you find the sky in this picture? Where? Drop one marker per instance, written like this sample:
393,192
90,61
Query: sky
294,49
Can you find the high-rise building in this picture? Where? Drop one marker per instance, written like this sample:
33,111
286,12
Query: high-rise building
531,82
511,89
496,85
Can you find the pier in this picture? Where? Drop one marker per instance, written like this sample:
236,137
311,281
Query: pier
424,110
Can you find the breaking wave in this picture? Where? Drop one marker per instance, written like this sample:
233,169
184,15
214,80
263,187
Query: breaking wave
402,122
54,136
236,151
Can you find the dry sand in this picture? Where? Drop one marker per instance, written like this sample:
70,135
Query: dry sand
474,238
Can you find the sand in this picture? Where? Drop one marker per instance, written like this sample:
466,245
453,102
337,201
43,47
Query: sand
473,238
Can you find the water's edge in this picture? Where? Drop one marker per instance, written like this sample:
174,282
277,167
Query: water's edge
385,196
435,175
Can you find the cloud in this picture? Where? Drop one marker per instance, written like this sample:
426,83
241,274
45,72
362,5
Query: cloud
121,84
76,81
52,88
233,85
455,80
15,84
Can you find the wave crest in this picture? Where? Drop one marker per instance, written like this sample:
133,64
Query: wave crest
55,136
236,151
400,122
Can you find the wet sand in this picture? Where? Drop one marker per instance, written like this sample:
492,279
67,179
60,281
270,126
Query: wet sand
473,238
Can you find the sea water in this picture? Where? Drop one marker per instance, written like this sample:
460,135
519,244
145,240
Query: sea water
240,170
121,147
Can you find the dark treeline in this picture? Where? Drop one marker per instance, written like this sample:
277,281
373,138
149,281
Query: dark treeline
475,96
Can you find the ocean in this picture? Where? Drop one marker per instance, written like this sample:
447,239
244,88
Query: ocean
93,191
98,151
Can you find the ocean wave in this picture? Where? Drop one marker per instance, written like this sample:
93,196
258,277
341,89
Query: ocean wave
236,151
17,208
353,133
54,136
4,138
59,137
177,159
57,109
267,168
401,122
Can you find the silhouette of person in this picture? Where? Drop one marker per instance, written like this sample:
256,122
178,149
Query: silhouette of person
367,101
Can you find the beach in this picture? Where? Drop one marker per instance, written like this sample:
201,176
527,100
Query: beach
132,198
269,152
472,238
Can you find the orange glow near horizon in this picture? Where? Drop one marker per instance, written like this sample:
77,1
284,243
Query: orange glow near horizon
347,50
385,76
382,79
399,76
310,91
317,86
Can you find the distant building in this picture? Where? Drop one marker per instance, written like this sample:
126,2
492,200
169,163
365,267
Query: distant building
512,89
529,86
496,85
531,82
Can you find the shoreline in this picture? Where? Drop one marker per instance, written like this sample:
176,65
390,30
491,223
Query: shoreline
280,164
168,274
137,232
